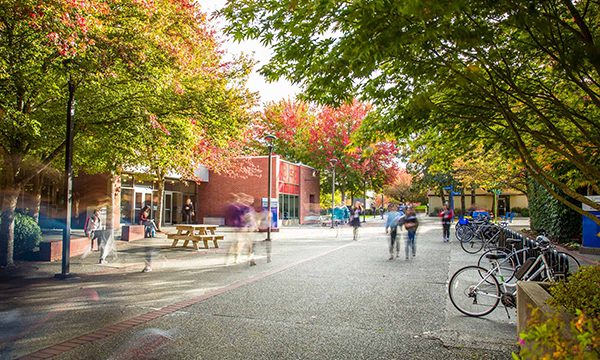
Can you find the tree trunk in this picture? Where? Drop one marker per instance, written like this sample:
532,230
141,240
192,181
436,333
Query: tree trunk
37,197
343,195
161,195
442,196
114,202
7,227
473,196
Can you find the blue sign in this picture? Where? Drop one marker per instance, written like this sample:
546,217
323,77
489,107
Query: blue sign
274,211
591,230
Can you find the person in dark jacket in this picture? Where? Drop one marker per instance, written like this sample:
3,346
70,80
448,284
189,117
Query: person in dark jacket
447,216
188,211
411,223
355,218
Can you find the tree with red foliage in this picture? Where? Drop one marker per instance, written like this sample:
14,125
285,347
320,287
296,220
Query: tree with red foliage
315,135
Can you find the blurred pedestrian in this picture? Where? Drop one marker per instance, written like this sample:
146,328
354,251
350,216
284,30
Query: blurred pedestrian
447,215
355,219
411,223
242,216
393,219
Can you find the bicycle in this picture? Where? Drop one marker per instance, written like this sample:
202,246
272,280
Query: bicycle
464,229
562,264
485,236
476,291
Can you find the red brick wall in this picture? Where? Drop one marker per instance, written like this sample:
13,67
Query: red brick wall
309,185
216,194
89,191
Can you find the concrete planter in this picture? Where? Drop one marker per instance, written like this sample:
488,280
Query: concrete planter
530,295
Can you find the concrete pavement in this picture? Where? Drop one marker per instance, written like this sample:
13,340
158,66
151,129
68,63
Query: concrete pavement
322,296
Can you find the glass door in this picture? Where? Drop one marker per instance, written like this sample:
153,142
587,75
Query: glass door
143,197
168,208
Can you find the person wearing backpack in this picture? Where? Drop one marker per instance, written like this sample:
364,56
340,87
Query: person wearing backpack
411,223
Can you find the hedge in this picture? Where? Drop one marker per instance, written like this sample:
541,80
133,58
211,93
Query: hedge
550,216
28,235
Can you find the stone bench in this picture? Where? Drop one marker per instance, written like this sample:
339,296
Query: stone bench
52,250
132,232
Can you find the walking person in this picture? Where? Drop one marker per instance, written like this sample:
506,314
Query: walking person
411,223
188,211
355,219
394,218
447,216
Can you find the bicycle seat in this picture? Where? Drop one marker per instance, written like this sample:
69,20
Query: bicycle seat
497,256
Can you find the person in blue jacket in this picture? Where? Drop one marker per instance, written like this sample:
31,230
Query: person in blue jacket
394,218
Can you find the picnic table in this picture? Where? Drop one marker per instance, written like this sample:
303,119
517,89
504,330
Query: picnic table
195,233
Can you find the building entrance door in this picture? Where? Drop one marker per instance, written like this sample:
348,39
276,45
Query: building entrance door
503,205
168,208
143,197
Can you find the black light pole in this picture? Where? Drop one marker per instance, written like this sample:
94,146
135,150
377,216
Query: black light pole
333,162
365,194
66,243
269,139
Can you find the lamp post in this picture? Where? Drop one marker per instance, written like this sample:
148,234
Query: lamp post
68,184
332,162
269,139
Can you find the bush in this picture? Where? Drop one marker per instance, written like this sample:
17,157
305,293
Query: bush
524,212
582,292
28,234
548,338
550,216
421,208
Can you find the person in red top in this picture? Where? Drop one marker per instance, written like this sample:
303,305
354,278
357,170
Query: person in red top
447,216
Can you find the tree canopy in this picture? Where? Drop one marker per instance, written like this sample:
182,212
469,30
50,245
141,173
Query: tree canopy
521,74
315,135
140,73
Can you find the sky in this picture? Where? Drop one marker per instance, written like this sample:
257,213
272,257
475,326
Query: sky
268,92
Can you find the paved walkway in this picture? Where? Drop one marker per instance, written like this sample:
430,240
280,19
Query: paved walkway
321,296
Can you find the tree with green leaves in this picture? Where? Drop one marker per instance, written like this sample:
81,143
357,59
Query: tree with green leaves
524,74
125,67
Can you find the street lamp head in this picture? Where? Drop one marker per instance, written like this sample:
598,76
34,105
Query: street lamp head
269,138
333,161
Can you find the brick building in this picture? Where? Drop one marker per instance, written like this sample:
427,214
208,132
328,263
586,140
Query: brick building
120,198
295,191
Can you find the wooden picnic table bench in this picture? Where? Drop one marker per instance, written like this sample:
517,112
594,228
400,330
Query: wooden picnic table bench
195,233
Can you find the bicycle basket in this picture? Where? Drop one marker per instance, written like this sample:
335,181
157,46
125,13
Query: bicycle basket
525,268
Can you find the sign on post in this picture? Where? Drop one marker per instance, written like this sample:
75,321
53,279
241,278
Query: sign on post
274,207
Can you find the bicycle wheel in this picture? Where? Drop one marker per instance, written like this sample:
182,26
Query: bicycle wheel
473,245
506,262
459,230
467,233
474,291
